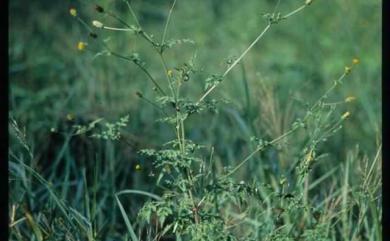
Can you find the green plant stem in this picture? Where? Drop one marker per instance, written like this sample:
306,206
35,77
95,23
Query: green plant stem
260,36
167,23
142,68
274,141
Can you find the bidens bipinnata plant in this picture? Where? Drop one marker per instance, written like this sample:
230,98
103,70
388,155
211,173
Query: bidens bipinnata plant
197,201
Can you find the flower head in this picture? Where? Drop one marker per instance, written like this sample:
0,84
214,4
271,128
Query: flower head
138,167
170,73
345,115
97,24
308,2
81,45
350,99
73,12
347,70
355,61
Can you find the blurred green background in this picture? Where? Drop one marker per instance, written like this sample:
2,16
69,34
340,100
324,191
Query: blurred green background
297,59
295,62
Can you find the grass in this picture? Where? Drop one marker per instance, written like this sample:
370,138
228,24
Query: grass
258,144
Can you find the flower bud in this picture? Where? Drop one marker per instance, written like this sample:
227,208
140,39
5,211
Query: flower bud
73,12
350,99
97,24
345,115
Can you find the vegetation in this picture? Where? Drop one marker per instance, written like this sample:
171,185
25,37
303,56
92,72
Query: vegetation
195,120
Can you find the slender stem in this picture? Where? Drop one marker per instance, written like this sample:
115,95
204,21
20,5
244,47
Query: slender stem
295,11
118,19
167,22
132,13
291,130
118,29
84,24
143,69
174,95
246,51
274,141
234,63
164,64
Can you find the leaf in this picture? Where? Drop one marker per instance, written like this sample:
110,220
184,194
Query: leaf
127,221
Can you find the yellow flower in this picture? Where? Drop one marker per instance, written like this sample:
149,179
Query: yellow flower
345,115
347,70
355,61
309,156
81,45
170,73
73,12
350,99
138,167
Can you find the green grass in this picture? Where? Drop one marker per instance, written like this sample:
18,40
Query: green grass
77,187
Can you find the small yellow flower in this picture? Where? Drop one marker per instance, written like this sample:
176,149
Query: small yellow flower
81,45
355,61
309,156
347,70
350,99
170,73
138,167
345,115
73,12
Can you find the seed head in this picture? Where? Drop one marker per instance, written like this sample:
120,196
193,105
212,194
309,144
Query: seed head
350,99
345,115
97,24
347,70
73,12
308,2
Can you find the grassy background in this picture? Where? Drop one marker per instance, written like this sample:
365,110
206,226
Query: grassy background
295,62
